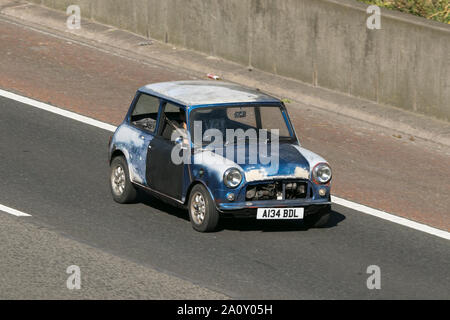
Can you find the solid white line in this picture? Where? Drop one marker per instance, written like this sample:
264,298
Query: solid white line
14,212
339,201
390,217
61,112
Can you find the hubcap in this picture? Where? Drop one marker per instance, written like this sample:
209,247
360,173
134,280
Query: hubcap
118,180
198,208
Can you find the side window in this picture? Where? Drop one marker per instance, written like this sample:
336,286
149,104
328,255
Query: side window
173,119
145,112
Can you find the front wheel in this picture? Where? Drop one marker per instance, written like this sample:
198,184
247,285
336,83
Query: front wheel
202,211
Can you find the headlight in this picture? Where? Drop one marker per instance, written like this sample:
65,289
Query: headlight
232,178
322,173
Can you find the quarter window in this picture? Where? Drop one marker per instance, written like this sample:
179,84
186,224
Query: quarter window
145,112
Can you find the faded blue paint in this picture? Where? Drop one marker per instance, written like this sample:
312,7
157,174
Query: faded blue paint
295,162
133,143
195,93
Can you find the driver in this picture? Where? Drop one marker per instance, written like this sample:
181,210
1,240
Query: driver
183,124
180,126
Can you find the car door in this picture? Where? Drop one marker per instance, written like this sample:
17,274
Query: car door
163,174
143,126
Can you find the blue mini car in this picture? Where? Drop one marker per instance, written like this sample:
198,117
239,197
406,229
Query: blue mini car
217,149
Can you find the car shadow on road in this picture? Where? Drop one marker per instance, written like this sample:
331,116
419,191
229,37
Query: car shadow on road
241,224
160,205
250,224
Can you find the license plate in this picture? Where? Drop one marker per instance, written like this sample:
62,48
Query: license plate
280,213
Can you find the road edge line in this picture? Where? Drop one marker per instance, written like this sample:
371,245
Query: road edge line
391,217
339,201
56,110
14,212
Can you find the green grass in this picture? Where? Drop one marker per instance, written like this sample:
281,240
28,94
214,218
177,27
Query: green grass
438,10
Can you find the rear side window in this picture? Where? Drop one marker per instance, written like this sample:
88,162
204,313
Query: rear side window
145,112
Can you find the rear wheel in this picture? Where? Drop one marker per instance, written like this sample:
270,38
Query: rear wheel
122,189
319,219
202,211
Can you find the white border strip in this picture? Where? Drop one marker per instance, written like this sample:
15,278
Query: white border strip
339,201
14,212
61,112
390,217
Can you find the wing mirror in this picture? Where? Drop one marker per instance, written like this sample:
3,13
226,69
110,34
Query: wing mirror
180,141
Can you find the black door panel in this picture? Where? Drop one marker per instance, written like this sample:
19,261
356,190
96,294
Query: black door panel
162,174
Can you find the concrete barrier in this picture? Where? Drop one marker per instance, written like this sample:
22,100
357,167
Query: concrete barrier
321,42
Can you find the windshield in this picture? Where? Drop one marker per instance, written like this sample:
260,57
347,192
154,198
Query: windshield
250,119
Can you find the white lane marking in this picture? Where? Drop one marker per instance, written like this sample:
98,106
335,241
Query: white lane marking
61,112
390,217
14,212
339,201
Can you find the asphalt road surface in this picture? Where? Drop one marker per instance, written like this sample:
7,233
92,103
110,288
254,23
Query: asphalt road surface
56,169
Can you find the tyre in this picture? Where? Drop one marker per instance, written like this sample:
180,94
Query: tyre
319,219
202,211
122,189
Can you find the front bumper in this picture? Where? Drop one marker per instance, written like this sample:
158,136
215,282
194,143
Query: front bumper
250,208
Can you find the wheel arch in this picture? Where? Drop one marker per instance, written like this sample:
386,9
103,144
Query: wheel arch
117,153
192,185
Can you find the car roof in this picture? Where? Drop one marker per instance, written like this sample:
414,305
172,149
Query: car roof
202,93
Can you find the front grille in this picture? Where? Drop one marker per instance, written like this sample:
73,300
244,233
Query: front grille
278,190
296,190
